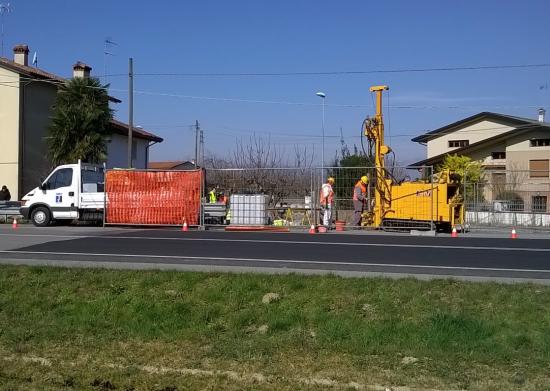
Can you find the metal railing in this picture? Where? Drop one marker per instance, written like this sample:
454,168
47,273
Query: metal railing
9,210
511,198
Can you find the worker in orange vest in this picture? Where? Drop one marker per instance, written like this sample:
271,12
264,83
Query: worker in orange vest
359,199
326,199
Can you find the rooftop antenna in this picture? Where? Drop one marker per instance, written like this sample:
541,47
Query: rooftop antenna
108,44
4,10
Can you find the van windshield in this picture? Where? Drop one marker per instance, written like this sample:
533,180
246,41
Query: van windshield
93,180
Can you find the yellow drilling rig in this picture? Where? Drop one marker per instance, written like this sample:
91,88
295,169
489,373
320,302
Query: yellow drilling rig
428,203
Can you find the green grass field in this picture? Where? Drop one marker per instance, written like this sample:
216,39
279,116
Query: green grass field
79,329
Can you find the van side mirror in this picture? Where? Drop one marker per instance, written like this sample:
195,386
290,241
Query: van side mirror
41,185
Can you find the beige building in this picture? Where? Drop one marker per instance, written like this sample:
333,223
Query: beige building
515,152
26,98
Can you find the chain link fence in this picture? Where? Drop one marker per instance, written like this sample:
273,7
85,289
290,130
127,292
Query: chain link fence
509,198
291,196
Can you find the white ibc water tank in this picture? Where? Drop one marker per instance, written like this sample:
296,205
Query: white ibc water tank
248,209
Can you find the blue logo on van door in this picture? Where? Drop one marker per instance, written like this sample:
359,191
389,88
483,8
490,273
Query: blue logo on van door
58,198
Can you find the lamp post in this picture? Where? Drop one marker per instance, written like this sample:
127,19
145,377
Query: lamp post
322,96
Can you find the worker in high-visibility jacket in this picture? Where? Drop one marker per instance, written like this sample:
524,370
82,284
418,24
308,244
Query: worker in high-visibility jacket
228,216
359,199
326,199
212,196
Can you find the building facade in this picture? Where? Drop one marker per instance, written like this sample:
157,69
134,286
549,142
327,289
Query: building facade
27,95
514,151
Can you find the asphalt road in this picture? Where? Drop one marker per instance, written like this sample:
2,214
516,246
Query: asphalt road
472,258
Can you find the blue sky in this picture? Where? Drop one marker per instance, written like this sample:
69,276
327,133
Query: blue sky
296,36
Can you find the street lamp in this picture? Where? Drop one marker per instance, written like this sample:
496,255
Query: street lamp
323,96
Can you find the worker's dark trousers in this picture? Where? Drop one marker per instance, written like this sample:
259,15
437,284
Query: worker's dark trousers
358,208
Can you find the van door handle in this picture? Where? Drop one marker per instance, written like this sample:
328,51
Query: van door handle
71,194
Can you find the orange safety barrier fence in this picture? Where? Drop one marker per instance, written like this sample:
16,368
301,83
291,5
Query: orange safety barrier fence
152,197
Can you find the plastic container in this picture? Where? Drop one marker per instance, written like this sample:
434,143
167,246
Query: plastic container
340,225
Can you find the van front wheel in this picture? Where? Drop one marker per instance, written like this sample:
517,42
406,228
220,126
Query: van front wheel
41,216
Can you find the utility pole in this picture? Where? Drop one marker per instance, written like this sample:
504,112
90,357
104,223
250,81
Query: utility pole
197,130
130,108
202,149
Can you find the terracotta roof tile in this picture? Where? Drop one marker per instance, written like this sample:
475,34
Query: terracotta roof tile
122,128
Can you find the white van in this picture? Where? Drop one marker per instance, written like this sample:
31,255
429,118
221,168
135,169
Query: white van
70,192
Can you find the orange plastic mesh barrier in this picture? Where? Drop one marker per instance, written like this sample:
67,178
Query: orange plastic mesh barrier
153,197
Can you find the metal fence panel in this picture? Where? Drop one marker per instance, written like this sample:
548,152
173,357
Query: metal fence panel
406,192
290,196
507,198
263,196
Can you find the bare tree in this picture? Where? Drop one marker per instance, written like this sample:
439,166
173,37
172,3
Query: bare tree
259,167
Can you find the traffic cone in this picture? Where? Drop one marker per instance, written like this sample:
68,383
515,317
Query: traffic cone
184,228
514,234
454,234
312,229
14,224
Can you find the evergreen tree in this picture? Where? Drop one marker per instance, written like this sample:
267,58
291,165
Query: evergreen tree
80,122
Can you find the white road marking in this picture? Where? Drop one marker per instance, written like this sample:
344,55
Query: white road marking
486,248
292,261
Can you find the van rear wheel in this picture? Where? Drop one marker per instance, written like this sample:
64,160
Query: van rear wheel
41,216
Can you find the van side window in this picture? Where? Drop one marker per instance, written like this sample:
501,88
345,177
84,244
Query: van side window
60,178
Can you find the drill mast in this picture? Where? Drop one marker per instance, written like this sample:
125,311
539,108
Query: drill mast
374,131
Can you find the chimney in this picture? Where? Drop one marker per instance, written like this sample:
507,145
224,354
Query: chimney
541,114
81,70
21,54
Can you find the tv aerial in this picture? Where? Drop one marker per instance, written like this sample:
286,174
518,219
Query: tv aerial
4,10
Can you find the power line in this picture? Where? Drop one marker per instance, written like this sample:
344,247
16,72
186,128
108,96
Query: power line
339,73
240,100
262,101
276,133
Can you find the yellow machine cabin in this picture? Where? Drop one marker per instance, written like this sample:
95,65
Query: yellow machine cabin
416,205
422,204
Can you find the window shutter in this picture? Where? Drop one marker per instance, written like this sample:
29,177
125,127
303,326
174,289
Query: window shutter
538,168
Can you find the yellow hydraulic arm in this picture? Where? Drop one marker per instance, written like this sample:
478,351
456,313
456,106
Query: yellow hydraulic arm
374,130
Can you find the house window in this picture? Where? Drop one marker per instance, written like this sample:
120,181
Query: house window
498,178
540,142
498,155
539,203
538,168
458,143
